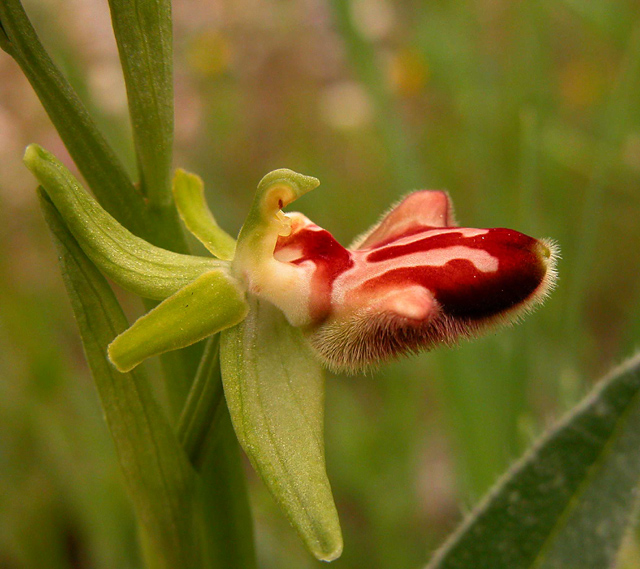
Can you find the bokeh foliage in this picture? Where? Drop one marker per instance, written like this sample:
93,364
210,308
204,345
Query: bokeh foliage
526,112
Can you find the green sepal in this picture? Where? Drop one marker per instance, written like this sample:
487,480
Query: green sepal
265,222
211,303
133,263
188,192
274,389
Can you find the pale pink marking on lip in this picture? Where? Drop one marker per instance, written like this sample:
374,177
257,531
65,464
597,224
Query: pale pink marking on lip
453,264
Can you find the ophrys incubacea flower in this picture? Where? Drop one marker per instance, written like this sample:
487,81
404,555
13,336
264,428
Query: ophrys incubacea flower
287,290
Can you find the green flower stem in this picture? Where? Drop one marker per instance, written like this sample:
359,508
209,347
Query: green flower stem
226,510
144,36
96,160
201,413
160,481
188,191
207,436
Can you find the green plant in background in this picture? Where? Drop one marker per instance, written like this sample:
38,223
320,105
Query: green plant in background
566,504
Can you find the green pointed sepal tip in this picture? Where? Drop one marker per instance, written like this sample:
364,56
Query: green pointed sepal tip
188,192
211,303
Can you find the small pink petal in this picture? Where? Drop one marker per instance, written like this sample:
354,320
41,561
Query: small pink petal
418,211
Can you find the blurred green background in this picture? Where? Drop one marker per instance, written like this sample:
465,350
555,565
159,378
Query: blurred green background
528,113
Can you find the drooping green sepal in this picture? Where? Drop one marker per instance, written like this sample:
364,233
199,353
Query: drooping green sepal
188,192
211,303
275,393
133,263
265,222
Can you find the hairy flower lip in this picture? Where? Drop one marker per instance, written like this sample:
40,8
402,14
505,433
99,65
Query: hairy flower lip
373,308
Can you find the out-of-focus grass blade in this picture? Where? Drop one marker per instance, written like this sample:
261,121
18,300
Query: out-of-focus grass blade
365,61
159,478
568,502
144,36
613,131
275,392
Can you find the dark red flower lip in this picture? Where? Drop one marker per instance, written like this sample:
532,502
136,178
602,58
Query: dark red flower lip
412,282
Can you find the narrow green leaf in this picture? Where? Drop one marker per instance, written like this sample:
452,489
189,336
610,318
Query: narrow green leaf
132,262
95,159
144,36
87,146
213,302
275,393
568,502
159,478
188,191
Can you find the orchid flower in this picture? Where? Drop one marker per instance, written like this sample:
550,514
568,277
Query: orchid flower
287,297
413,281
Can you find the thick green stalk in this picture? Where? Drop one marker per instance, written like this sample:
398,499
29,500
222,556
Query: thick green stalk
144,36
228,528
95,159
156,222
201,413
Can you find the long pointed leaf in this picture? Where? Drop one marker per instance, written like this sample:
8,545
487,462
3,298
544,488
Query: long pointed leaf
90,151
275,393
159,478
568,502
